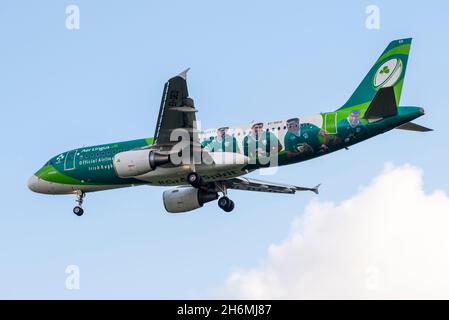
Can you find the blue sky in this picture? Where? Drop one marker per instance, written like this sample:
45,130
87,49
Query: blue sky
259,60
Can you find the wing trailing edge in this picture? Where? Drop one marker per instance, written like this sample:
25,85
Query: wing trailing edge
249,184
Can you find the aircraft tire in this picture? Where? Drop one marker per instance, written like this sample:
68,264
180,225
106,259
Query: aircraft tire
194,179
78,211
226,204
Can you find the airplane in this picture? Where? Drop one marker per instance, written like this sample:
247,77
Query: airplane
201,164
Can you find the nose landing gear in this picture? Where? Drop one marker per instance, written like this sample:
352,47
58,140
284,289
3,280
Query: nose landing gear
78,210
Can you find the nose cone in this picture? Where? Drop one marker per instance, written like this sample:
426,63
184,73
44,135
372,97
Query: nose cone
45,181
33,183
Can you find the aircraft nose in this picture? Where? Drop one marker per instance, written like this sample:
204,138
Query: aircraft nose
33,183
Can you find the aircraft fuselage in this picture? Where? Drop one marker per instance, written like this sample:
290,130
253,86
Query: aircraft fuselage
89,169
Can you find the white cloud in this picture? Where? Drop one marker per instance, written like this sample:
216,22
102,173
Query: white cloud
390,240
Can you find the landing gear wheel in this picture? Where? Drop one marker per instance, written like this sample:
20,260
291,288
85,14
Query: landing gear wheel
79,199
194,179
226,204
231,207
78,211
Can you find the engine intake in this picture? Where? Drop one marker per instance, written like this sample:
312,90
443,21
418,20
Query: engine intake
183,199
137,162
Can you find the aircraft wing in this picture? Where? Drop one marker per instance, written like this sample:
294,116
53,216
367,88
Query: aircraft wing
242,183
177,111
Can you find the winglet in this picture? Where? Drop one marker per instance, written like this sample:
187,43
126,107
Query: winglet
184,74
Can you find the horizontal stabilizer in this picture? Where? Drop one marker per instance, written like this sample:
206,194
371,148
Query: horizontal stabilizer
383,105
315,189
413,127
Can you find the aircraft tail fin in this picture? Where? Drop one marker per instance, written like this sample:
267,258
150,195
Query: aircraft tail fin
387,72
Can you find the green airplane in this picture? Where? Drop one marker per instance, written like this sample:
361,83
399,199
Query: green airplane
201,164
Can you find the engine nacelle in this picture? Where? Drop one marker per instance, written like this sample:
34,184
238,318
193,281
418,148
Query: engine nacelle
136,162
182,199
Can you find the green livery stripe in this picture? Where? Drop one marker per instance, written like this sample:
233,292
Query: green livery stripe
398,90
50,174
402,49
330,122
345,111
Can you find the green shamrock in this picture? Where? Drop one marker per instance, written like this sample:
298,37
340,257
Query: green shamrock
385,70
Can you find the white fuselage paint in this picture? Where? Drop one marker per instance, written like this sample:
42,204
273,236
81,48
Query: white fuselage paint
42,186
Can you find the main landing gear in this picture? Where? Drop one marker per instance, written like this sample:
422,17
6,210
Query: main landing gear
194,179
78,210
226,204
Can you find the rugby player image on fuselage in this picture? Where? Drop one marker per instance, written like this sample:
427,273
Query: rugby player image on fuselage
206,143
260,143
223,142
351,129
304,138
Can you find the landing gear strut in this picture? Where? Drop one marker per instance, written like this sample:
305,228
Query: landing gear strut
78,210
226,204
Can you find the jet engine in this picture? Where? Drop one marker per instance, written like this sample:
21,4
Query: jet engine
182,199
136,162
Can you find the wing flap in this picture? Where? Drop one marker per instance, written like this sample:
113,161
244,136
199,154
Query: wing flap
248,184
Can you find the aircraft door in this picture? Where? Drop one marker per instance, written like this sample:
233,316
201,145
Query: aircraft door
69,163
330,122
